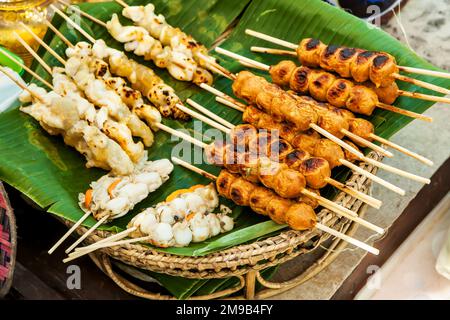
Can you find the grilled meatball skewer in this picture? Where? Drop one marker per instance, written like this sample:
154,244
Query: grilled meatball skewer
362,65
298,216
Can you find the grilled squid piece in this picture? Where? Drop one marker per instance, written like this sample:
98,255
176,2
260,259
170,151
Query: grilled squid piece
158,28
142,78
97,92
361,65
177,59
63,116
115,195
187,218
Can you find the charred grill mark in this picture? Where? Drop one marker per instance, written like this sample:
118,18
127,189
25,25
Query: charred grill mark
342,85
236,195
294,156
330,50
321,80
347,53
312,44
301,75
380,61
312,164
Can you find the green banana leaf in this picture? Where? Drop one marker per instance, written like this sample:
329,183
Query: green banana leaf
52,174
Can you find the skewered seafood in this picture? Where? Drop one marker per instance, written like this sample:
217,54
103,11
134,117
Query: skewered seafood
115,130
115,195
157,26
131,97
142,78
60,116
324,86
97,92
177,58
187,218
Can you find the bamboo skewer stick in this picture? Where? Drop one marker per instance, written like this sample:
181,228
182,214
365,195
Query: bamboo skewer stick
69,232
369,200
228,103
274,51
85,235
421,83
42,43
367,143
110,239
404,112
76,255
20,84
422,96
209,114
73,24
58,33
204,119
319,226
34,74
36,56
402,149
293,46
438,74
372,177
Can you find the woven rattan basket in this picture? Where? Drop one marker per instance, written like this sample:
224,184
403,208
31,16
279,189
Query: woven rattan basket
243,261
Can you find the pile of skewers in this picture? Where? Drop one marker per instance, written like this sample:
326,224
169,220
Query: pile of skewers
276,163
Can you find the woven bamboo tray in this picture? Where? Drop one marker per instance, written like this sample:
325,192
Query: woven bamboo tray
243,261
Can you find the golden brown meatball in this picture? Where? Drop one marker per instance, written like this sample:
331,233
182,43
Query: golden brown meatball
362,100
251,115
316,171
295,158
268,170
230,161
306,142
277,209
362,128
309,51
299,81
313,203
350,156
223,183
328,57
381,70
330,151
319,83
248,166
281,72
240,191
360,67
279,149
300,216
345,58
333,122
289,183
386,94
215,153
260,199
241,134
338,93
247,86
